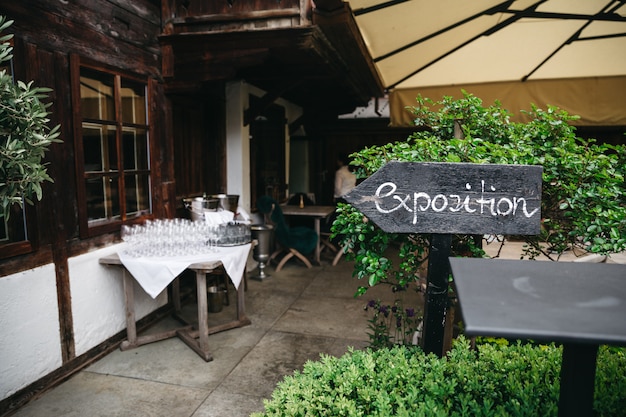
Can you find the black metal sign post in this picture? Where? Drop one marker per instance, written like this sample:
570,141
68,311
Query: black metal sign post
444,199
436,305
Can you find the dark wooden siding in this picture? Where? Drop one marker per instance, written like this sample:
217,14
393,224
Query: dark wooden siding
116,33
120,33
199,151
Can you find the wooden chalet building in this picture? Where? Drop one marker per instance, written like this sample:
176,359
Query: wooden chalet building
159,100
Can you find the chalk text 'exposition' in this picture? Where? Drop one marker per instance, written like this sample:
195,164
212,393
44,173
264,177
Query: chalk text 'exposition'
388,201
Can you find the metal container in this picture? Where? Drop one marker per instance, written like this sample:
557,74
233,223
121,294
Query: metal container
215,298
228,202
264,235
198,205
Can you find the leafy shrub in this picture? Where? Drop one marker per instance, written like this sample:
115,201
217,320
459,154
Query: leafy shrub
24,135
517,380
583,195
391,324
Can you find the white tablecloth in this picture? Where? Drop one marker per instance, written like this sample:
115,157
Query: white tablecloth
154,274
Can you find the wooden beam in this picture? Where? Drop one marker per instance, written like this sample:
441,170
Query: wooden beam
328,5
293,126
237,17
167,16
343,33
256,110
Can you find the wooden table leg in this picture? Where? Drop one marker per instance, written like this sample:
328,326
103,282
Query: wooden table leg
241,321
129,300
176,295
203,311
241,303
198,340
132,340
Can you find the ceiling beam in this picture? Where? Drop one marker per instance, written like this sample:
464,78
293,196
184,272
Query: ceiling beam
328,5
264,102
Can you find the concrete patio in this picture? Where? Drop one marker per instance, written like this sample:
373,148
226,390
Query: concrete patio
296,314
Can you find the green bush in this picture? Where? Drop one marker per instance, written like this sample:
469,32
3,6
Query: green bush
517,380
583,195
25,136
391,324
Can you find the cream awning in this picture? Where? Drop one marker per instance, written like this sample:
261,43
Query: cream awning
568,53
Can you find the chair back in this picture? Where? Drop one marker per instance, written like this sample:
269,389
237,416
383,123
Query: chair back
274,215
303,239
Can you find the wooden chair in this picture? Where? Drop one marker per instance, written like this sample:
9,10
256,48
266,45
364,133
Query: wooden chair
338,251
295,241
326,241
290,254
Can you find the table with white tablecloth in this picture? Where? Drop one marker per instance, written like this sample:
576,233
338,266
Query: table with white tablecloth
155,274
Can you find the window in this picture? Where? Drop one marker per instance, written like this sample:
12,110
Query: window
113,149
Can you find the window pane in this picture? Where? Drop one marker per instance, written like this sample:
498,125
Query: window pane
95,199
93,145
137,193
4,229
135,149
102,198
14,229
7,66
133,102
96,95
111,163
114,199
99,148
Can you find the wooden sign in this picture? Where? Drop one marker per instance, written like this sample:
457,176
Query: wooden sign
452,198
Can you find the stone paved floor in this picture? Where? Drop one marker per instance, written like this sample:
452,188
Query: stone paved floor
296,314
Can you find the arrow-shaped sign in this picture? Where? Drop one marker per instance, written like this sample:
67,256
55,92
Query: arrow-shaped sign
452,198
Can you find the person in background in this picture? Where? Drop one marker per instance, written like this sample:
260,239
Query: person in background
345,180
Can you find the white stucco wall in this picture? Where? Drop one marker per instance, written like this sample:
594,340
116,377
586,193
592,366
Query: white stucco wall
29,325
237,143
98,299
30,345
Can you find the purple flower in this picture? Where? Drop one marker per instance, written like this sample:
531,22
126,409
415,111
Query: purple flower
410,312
384,310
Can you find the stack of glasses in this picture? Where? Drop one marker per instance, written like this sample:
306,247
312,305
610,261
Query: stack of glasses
181,237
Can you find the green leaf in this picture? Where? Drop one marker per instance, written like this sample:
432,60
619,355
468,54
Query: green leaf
25,136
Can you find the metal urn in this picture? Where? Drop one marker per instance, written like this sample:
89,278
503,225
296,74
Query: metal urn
228,202
263,234
197,206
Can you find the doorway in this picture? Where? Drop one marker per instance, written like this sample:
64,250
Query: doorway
267,154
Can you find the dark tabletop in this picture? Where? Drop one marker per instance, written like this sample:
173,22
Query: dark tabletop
542,300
